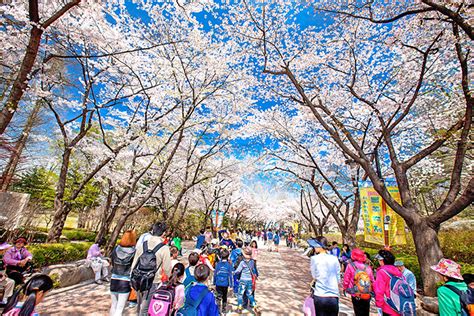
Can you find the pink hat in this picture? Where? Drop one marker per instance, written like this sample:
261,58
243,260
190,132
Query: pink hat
448,268
358,255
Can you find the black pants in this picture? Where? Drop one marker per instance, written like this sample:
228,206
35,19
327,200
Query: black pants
326,306
221,296
361,307
16,272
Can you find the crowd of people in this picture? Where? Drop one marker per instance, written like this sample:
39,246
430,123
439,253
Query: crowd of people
391,285
146,272
148,267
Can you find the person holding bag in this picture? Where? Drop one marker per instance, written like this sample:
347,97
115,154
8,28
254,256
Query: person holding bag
248,277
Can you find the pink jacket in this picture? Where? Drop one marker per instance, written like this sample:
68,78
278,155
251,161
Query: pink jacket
178,297
349,274
254,253
382,287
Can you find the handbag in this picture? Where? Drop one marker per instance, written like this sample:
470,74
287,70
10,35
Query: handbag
254,277
308,306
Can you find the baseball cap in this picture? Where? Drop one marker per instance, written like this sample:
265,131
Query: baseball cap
378,257
398,263
314,243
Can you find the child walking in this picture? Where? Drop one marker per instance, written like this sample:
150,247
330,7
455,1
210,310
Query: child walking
235,257
248,276
223,279
254,247
193,260
198,299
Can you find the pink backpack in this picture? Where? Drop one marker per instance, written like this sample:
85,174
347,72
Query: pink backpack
161,303
15,311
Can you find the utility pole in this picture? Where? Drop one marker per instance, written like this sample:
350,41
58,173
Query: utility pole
385,217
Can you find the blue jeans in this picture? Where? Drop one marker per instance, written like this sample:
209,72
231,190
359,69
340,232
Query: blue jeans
236,284
245,287
326,306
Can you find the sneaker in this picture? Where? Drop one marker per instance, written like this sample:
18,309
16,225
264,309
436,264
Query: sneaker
256,310
99,282
132,304
239,309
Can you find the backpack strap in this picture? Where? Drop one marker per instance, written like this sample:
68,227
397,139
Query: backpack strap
354,266
201,297
458,293
157,247
250,268
454,289
145,246
391,275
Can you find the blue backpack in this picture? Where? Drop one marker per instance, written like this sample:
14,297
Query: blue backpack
223,275
189,278
402,297
191,306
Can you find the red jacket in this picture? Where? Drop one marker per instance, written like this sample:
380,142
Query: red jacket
382,287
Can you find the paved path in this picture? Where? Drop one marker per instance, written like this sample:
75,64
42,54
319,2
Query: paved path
281,289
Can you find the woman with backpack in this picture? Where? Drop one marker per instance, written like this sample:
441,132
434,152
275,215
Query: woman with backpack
122,258
449,295
24,300
358,281
390,284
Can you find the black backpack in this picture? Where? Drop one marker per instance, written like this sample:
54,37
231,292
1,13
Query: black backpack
144,271
122,260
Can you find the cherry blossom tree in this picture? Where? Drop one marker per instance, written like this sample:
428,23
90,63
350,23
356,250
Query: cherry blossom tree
409,82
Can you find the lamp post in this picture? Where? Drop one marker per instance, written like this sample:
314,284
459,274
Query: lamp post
386,218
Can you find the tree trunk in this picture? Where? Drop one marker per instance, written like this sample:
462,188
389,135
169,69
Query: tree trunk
116,232
59,220
82,217
15,156
429,252
349,236
61,210
21,82
107,217
317,230
105,224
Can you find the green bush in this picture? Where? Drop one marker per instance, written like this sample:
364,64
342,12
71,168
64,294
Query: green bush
40,234
79,234
49,254
456,245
